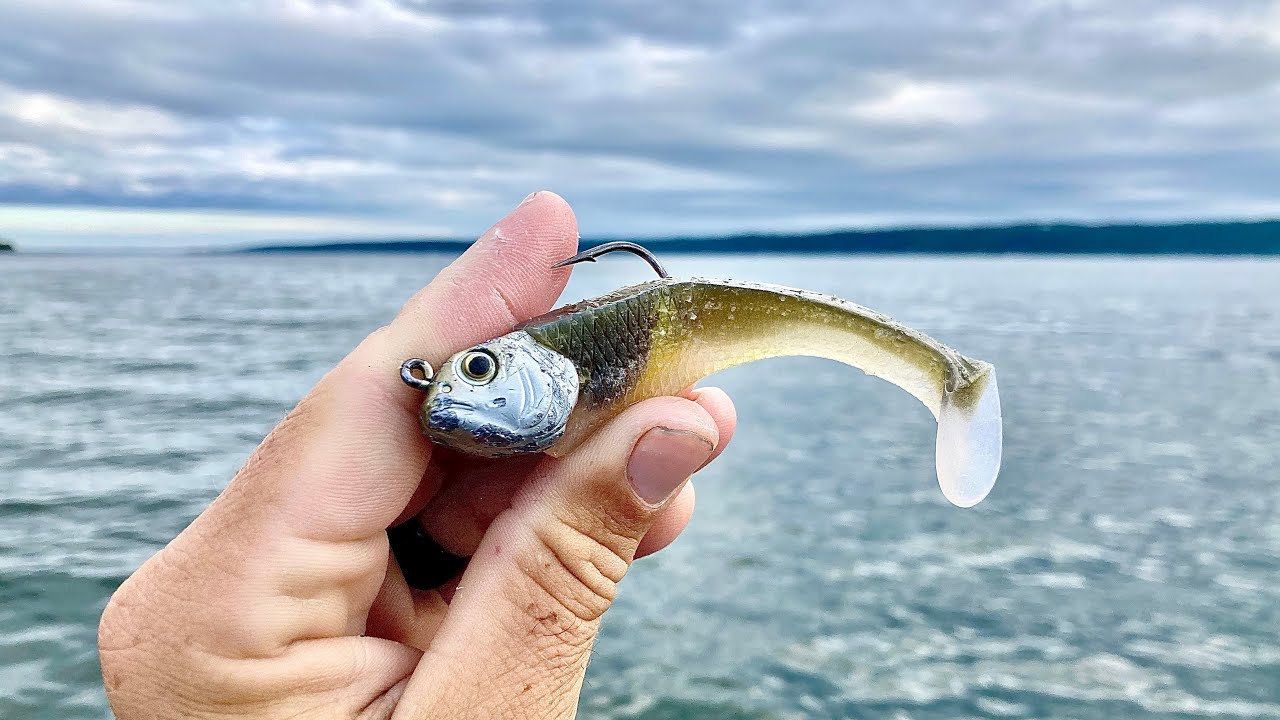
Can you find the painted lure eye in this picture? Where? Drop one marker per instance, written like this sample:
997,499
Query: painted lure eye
478,366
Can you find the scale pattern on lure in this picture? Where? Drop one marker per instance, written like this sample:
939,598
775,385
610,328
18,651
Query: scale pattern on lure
553,380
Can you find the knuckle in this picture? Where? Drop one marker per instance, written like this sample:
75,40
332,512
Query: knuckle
570,577
509,303
580,562
118,628
383,707
560,639
141,668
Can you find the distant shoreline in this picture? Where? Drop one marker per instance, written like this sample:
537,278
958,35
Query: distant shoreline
1204,238
1259,238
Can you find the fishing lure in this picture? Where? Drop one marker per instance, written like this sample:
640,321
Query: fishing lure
545,386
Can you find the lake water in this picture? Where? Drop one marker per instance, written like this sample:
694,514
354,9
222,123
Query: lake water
1127,563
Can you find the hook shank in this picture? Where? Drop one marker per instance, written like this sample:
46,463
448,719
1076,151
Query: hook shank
590,255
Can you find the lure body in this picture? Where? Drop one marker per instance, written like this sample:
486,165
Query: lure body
659,337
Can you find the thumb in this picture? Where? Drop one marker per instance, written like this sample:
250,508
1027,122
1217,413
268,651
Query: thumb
521,624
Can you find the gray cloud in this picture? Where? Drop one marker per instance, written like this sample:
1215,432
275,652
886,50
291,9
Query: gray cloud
652,118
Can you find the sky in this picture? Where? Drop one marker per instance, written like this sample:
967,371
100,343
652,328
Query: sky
223,122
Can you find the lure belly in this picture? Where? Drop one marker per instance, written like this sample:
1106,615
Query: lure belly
556,378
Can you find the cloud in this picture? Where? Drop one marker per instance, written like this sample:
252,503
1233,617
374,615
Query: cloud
182,228
652,118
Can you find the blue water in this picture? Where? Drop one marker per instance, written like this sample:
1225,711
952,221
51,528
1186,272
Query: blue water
1126,565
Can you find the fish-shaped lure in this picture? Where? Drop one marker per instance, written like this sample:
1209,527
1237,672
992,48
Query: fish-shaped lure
545,386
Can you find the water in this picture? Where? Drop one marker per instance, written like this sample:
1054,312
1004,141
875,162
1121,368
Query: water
1125,565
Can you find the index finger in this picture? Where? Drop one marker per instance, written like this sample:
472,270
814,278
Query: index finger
362,452
504,278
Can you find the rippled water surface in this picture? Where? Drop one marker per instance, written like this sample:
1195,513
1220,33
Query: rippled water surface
1126,565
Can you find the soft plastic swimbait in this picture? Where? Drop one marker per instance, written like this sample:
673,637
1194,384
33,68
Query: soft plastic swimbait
545,386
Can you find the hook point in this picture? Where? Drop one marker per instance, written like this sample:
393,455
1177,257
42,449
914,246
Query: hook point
590,255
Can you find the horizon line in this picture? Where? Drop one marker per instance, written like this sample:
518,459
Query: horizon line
447,242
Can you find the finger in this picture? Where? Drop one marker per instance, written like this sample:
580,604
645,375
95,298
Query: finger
349,459
409,612
296,545
403,615
676,516
432,480
672,521
720,407
365,420
520,627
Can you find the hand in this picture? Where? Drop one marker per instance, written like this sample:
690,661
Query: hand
281,599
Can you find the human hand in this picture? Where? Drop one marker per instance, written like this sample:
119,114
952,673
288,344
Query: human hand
282,600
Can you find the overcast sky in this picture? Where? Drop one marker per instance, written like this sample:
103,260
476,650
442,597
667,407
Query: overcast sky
130,123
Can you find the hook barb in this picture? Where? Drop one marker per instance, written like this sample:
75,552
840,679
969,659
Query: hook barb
590,255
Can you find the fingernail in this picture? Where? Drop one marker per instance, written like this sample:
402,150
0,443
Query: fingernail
530,196
663,459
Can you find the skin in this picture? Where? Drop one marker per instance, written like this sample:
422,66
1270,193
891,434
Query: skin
281,599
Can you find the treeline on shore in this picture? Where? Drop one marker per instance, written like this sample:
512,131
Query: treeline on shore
1200,238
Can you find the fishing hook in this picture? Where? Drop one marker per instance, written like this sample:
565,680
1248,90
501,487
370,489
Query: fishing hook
590,255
